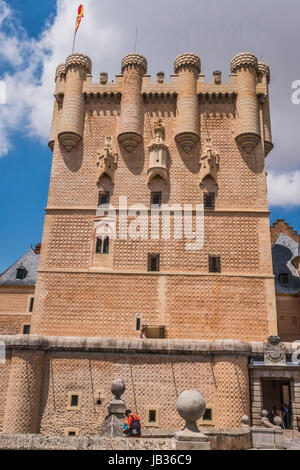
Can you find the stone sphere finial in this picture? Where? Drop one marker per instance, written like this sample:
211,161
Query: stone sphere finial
118,388
245,420
191,405
277,421
264,413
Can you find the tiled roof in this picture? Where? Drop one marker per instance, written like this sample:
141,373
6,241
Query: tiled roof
283,251
30,262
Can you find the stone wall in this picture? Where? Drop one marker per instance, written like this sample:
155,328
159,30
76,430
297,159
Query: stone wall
155,373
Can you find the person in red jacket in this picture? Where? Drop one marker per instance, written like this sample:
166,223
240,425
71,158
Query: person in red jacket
133,424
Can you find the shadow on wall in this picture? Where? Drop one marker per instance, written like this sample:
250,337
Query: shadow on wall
134,160
255,160
73,160
191,159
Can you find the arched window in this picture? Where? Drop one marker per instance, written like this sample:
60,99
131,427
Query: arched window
102,245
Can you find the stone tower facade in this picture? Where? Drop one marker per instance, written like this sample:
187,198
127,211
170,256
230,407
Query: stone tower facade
114,296
214,140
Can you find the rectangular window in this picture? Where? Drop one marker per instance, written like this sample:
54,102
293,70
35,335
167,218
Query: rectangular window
156,198
209,201
74,400
207,415
152,416
214,264
103,198
26,329
153,262
138,323
31,304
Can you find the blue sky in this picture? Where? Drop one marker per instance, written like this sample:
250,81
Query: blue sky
35,36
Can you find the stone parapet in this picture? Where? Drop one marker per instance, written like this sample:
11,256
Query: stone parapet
135,60
79,60
130,346
187,60
264,69
244,60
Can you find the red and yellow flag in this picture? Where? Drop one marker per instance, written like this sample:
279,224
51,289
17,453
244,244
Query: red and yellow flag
79,16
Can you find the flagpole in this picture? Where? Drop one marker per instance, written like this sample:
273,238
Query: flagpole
74,42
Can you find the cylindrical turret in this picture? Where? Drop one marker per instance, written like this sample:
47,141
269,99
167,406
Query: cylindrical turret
248,129
24,393
264,72
60,76
131,127
72,121
188,67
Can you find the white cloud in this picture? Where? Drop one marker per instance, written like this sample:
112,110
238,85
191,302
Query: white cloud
284,189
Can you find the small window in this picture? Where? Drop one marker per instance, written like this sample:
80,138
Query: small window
283,278
74,401
21,273
153,262
26,329
152,416
103,198
156,198
31,304
209,201
138,323
71,431
207,415
102,245
214,264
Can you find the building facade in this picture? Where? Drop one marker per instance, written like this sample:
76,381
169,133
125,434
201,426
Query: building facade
118,293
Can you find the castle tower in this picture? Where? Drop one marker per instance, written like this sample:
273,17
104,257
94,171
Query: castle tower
264,74
131,127
72,121
188,67
247,130
108,280
60,78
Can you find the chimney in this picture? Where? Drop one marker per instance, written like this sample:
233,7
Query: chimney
37,249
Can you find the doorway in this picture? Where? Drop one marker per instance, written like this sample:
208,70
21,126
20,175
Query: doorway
277,393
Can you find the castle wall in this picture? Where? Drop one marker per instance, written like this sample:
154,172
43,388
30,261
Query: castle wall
14,309
288,313
43,371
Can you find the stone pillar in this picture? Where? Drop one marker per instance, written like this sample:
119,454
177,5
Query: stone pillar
247,116
232,391
295,384
131,126
72,121
24,392
264,72
113,423
60,76
256,401
187,66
